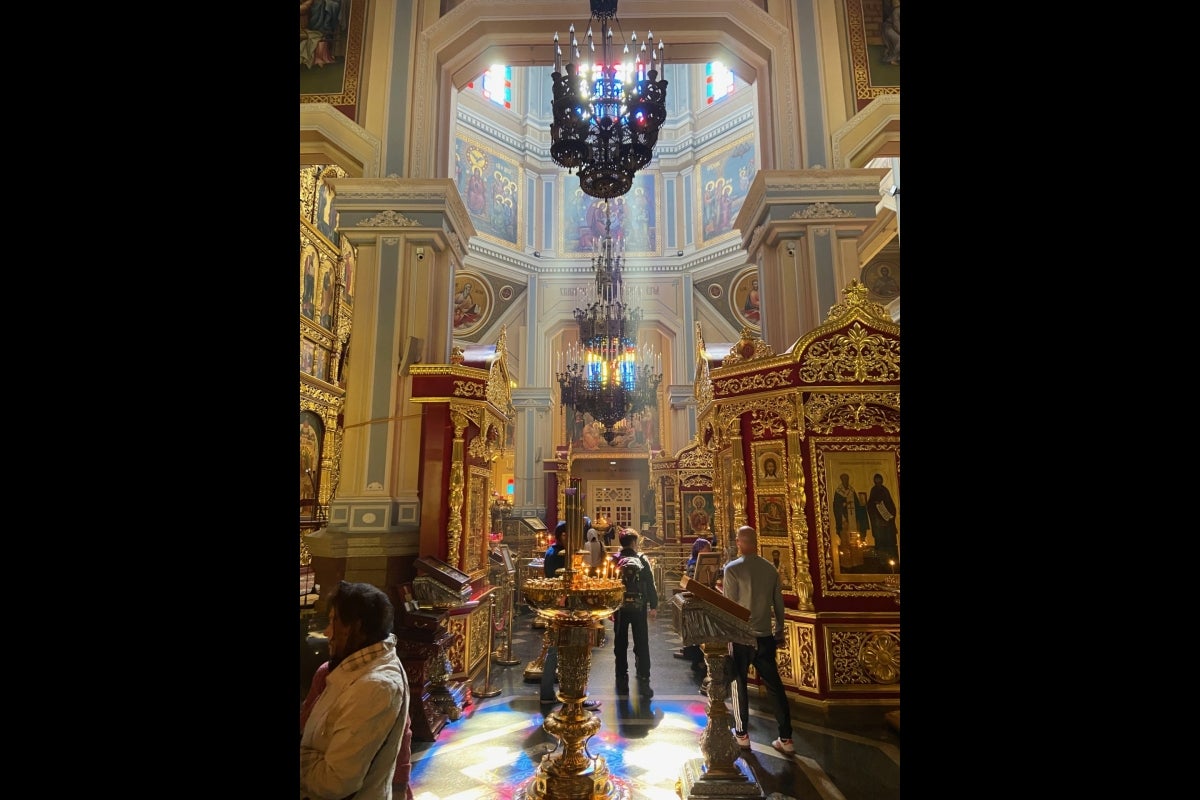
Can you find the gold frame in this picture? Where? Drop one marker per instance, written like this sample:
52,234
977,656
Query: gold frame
762,451
861,458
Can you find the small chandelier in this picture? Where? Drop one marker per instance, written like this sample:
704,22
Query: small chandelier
607,116
606,374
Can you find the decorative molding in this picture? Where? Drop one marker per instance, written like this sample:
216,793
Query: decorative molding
856,411
388,219
864,657
821,209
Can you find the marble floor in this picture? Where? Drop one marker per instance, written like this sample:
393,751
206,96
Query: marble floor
490,752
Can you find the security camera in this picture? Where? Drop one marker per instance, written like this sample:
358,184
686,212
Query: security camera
894,190
537,253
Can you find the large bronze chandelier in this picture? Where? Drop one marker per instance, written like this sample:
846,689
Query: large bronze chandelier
607,115
606,374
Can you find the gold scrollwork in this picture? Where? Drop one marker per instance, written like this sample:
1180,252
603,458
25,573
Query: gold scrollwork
856,355
766,424
806,657
470,389
760,382
855,411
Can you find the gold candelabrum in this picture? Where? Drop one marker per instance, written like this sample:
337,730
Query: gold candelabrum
572,603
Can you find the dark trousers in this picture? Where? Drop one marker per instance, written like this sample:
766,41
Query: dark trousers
763,659
549,674
635,619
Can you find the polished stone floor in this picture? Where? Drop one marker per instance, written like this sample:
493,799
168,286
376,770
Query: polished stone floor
491,751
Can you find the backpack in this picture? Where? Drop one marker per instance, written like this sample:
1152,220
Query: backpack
631,575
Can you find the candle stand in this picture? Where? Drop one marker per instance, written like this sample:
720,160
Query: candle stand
571,604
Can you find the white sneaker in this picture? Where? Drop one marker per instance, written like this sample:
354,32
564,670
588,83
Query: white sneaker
784,746
743,740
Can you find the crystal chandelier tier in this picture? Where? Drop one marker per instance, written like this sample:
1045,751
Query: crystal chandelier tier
607,115
606,374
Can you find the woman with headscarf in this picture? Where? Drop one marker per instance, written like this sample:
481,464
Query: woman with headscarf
699,546
596,554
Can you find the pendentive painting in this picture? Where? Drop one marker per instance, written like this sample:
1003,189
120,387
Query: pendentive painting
331,43
490,185
632,218
472,303
858,494
745,300
725,177
874,27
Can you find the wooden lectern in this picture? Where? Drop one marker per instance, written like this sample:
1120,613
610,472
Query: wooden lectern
705,617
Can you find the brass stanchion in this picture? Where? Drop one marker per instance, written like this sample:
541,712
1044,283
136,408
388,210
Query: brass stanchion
506,658
488,690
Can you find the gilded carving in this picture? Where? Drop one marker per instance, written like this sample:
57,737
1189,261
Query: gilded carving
499,393
737,494
470,389
476,519
798,525
748,348
387,219
457,482
480,619
857,355
693,480
456,653
805,676
702,388
695,457
864,657
856,302
855,411
821,209
762,381
880,657
784,659
478,449
766,424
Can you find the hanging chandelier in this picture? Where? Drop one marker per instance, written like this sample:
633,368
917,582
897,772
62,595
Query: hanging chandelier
606,374
607,115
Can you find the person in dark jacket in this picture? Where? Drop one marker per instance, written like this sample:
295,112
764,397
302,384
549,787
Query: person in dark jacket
634,614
